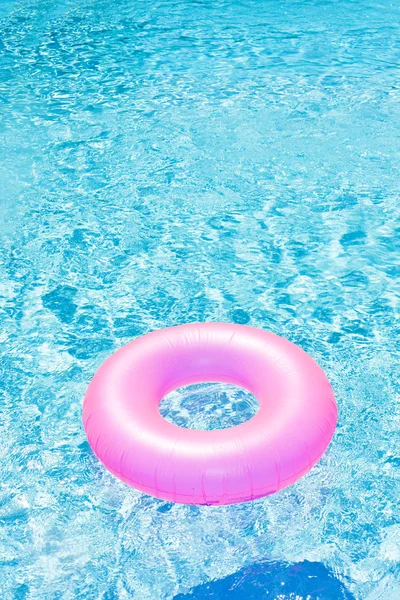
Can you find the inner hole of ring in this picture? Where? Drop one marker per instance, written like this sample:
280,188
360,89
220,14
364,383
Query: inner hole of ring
209,406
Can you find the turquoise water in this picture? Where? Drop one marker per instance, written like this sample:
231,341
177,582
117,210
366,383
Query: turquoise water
166,162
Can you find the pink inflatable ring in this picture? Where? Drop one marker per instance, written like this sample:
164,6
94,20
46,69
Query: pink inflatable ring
288,435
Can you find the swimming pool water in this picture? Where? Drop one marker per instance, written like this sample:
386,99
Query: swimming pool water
163,162
209,406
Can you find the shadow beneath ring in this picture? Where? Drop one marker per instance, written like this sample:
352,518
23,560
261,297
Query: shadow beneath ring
275,580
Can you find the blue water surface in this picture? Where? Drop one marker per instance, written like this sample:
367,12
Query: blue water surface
168,161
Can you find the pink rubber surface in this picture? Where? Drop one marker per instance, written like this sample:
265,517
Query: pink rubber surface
287,436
